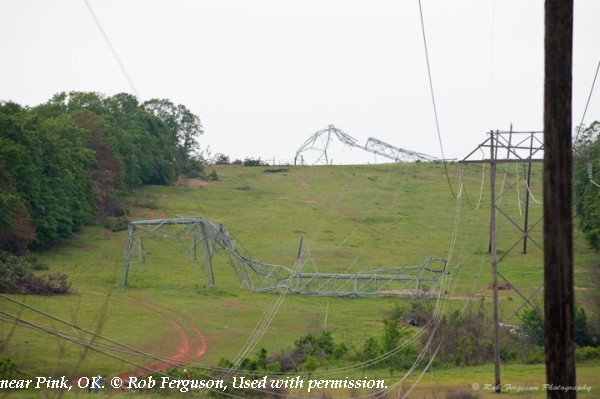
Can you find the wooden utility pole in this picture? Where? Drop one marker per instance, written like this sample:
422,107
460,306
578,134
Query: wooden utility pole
494,253
558,217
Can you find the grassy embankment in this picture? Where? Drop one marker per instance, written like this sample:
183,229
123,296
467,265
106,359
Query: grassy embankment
353,217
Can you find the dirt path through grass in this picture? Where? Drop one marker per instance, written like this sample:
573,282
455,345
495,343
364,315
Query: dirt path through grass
185,342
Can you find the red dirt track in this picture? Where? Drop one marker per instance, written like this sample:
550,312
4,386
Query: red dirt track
187,347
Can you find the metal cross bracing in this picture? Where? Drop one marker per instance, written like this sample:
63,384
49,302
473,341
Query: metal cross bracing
523,147
406,281
198,230
510,147
321,140
519,146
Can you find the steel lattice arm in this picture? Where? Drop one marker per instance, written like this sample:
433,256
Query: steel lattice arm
397,154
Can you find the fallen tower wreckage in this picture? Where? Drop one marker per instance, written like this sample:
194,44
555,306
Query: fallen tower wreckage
408,281
321,140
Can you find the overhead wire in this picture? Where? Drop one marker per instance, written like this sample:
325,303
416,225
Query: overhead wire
262,325
95,342
110,46
580,127
376,199
531,194
453,241
454,234
353,367
579,130
436,319
492,47
384,356
270,312
481,187
439,304
435,113
68,337
518,189
111,343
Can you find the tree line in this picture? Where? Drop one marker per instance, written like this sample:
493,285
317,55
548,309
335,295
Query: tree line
73,158
586,188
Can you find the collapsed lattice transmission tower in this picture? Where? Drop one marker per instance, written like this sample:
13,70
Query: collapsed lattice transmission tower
321,141
410,281
397,154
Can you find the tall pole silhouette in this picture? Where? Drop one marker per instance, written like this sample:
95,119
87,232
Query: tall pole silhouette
558,214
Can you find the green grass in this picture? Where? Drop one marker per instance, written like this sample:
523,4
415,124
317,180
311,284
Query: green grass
352,217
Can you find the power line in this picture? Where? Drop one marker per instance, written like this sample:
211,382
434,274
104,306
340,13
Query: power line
112,344
112,48
437,123
587,103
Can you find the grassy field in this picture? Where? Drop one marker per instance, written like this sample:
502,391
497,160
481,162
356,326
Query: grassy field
352,218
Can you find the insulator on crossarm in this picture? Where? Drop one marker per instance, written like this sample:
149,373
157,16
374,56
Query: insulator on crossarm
590,173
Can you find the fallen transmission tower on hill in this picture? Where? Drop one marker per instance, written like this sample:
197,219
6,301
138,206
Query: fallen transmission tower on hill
408,281
321,140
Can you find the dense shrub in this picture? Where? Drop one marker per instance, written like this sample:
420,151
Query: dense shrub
116,224
17,277
221,159
464,337
254,162
8,369
587,353
532,325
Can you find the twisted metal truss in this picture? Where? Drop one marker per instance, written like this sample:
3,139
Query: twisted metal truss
199,231
397,154
407,281
321,140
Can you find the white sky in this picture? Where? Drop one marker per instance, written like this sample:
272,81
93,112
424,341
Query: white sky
265,75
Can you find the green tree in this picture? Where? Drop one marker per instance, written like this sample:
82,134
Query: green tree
70,158
582,336
46,171
186,126
586,196
16,228
371,349
532,325
261,359
393,333
105,171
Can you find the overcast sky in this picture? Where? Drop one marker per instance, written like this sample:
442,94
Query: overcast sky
265,75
